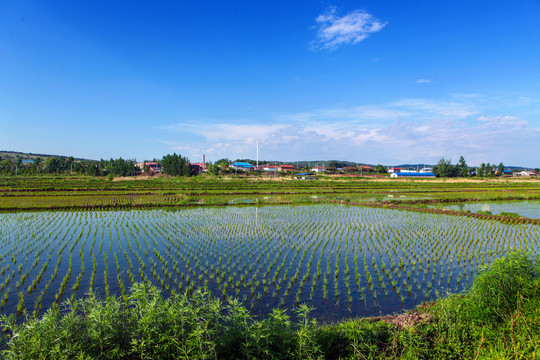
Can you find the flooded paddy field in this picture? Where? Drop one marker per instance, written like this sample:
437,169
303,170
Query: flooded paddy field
527,208
344,261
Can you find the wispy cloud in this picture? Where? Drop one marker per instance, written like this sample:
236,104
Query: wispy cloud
333,31
423,81
405,130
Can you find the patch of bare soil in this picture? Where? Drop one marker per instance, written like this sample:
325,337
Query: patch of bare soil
406,320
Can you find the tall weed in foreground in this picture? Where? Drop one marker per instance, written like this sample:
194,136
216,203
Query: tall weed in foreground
498,318
152,327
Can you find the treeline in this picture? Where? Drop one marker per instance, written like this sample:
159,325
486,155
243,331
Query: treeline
444,168
175,165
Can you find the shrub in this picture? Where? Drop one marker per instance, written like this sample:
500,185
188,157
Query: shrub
499,315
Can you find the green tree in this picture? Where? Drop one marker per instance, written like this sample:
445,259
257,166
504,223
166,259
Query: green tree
213,169
489,170
444,168
482,170
6,166
121,167
223,162
380,169
52,165
176,165
462,170
92,169
500,169
69,163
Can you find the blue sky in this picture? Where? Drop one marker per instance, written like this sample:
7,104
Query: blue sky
369,81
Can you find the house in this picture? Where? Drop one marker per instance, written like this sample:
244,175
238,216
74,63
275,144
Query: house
527,173
318,169
305,176
366,168
287,168
242,166
349,169
426,170
197,168
153,167
412,174
394,170
267,167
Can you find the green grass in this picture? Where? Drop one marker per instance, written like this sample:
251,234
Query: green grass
498,318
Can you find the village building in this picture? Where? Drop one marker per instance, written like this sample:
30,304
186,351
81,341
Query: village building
153,167
242,166
305,176
287,168
412,174
527,173
197,168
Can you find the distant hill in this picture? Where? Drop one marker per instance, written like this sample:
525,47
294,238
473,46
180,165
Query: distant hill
14,155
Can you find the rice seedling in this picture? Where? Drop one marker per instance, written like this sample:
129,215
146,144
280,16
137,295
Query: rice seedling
247,251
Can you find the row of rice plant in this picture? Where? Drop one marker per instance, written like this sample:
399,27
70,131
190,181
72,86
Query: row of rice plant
343,260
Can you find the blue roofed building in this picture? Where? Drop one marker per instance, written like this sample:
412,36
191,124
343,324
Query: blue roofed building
305,176
242,166
412,174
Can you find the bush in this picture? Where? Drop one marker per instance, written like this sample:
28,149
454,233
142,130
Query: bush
149,326
500,289
499,315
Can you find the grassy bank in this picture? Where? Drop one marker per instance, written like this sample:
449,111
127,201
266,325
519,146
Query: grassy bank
499,317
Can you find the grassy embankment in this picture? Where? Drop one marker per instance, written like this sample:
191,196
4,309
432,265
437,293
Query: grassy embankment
498,318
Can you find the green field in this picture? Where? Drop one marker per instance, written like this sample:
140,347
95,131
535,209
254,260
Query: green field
346,248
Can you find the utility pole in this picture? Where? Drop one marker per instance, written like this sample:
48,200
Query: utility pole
257,154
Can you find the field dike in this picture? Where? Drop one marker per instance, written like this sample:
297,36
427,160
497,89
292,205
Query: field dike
407,207
498,317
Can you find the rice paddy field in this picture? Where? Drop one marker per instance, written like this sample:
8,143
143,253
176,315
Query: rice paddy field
529,209
345,261
278,243
80,193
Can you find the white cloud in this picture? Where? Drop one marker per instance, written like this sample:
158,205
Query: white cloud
427,108
333,31
419,130
423,81
500,119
